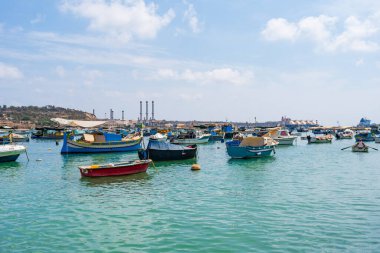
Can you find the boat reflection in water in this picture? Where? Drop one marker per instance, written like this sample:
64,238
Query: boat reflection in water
133,180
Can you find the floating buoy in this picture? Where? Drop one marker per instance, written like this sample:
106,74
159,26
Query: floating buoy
195,166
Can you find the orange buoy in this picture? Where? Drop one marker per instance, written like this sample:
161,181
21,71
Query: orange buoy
195,166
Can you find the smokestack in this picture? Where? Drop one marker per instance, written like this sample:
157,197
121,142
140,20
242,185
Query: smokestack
93,112
152,110
146,112
122,115
111,114
141,111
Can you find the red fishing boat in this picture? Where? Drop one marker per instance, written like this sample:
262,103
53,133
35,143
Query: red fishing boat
115,169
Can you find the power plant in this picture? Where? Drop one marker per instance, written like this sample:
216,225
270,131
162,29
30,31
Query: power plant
146,119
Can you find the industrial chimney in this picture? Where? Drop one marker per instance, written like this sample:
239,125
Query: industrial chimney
122,115
141,118
146,112
152,110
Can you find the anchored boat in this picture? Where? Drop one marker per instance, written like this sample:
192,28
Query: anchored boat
282,136
50,133
346,134
10,153
319,139
115,169
164,151
251,147
191,137
364,136
100,142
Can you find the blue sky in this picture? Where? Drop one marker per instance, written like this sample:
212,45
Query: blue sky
198,60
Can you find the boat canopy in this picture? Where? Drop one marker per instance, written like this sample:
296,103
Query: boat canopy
77,123
161,145
253,141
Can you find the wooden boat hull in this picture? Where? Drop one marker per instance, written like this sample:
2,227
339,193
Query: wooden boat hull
202,140
45,137
235,151
359,149
285,140
364,137
70,146
10,153
167,155
215,138
120,169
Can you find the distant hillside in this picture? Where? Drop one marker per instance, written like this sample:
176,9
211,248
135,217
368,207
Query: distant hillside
40,116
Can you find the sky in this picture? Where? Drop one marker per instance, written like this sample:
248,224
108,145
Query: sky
198,60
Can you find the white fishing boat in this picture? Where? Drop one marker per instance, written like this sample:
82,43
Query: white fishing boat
346,134
9,153
191,138
158,137
282,136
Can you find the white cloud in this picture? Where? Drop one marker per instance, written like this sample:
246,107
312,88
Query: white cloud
9,72
60,71
322,30
91,76
191,17
121,19
280,29
38,19
355,36
214,76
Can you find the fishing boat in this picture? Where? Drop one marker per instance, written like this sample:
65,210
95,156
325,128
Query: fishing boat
228,131
164,151
115,169
100,142
49,133
282,136
158,137
12,137
251,147
216,135
191,137
320,139
346,134
359,147
364,136
10,153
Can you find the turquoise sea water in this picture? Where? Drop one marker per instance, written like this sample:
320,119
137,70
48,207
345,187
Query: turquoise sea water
307,198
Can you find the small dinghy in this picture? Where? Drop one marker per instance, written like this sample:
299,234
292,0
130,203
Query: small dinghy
360,146
115,169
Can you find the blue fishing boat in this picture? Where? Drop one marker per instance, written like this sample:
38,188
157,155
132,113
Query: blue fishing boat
364,136
251,147
100,142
